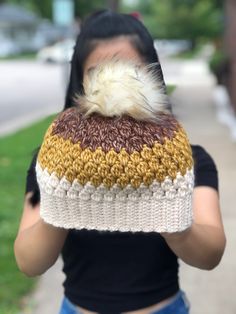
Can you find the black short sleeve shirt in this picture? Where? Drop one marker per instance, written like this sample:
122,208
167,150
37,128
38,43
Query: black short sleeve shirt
113,272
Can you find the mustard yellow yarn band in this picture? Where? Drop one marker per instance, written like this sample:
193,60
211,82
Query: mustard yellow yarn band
64,158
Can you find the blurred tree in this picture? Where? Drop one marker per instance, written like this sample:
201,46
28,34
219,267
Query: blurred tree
84,7
44,7
113,4
230,31
188,19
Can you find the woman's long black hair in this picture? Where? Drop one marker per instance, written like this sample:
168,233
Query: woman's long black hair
104,25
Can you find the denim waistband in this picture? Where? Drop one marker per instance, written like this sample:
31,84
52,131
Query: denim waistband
178,305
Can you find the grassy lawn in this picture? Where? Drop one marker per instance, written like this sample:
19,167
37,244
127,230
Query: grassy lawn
170,89
15,155
21,56
189,54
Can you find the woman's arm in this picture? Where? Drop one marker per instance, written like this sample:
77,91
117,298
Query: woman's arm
203,244
38,244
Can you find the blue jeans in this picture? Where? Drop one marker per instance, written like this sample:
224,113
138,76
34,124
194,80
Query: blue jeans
179,305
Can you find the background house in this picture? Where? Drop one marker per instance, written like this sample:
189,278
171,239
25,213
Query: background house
18,28
23,31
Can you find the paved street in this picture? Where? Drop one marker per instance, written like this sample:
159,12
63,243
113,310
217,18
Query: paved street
29,91
209,292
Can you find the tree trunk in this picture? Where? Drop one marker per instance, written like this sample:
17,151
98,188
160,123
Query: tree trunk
230,42
113,5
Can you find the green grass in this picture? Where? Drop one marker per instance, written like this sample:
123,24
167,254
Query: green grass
189,54
21,56
170,89
15,155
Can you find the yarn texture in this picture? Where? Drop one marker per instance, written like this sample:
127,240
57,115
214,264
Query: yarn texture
118,161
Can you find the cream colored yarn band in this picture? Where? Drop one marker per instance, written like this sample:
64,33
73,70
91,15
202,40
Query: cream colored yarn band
161,207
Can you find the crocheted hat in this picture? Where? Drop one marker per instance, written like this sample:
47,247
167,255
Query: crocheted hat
119,161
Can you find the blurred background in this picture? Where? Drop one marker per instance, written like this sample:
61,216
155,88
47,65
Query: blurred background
196,42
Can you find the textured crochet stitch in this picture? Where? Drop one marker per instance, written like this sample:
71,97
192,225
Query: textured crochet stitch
118,161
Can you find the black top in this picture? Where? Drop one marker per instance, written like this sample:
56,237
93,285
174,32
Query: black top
113,272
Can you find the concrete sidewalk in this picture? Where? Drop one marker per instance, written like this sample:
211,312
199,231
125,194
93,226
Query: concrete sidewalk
209,292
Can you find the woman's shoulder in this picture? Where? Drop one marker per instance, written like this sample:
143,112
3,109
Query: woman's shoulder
198,149
202,158
200,153
206,173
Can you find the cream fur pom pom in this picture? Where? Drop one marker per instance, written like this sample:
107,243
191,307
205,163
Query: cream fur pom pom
118,87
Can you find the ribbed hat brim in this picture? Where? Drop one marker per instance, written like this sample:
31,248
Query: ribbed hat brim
165,207
166,215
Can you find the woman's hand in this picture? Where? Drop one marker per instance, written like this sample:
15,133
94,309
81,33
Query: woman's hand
202,245
38,244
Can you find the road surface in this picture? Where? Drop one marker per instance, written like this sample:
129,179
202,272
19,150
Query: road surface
28,92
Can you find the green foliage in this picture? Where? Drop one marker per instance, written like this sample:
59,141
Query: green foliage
170,89
190,53
85,7
183,19
217,60
15,155
220,66
43,7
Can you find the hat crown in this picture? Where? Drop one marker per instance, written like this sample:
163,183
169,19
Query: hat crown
116,173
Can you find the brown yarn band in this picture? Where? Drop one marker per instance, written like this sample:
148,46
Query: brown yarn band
117,133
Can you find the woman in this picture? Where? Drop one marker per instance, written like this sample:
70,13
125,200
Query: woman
121,272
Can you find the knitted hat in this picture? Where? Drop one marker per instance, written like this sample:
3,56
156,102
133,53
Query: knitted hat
119,161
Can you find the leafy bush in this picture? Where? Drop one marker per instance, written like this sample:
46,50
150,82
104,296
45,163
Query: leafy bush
219,66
